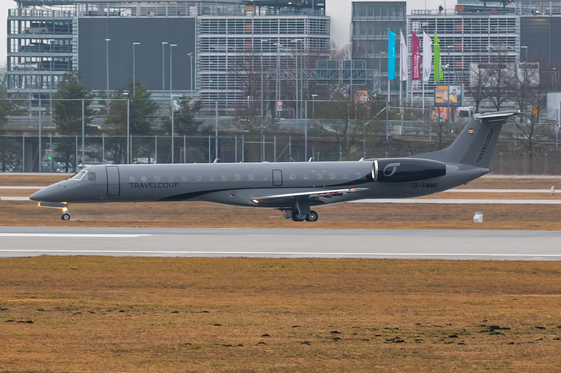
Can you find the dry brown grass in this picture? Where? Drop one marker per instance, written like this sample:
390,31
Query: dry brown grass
341,216
118,314
494,196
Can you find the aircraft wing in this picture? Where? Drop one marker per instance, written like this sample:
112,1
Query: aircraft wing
311,195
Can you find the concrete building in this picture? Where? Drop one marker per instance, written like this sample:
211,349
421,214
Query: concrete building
466,38
207,49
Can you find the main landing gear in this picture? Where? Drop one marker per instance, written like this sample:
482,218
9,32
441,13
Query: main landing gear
65,216
296,216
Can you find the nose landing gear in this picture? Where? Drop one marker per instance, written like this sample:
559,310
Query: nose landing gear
63,206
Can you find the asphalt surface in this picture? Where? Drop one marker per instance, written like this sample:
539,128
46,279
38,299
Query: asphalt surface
286,243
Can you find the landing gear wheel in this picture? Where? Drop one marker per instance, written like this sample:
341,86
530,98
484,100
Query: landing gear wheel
65,216
312,216
297,216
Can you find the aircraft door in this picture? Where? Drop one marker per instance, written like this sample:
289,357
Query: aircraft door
113,182
277,178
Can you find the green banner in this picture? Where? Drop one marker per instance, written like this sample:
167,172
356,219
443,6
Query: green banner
438,73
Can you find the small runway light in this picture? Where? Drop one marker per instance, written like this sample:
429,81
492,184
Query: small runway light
256,201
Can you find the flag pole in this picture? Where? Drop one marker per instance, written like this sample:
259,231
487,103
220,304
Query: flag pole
389,102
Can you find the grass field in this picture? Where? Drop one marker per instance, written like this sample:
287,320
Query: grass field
276,315
94,314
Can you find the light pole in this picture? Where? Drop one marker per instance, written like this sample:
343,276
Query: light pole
190,54
261,58
449,65
128,158
163,77
314,106
278,82
107,69
51,41
134,68
296,41
350,43
216,128
171,101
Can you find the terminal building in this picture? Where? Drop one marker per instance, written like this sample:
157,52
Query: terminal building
215,50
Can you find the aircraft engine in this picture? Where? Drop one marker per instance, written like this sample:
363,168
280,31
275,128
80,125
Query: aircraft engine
406,170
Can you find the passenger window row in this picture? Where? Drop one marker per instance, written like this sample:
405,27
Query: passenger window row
249,177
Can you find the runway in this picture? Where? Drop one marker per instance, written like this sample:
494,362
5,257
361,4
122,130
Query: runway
281,243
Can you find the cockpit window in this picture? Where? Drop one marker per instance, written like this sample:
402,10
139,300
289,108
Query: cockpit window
80,175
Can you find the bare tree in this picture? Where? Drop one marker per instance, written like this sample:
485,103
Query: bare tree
477,88
498,75
528,85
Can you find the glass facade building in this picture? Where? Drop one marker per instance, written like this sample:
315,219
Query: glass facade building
370,24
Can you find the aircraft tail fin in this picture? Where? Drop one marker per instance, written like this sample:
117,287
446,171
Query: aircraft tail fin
476,143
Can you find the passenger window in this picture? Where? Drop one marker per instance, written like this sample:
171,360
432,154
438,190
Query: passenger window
292,176
358,175
156,178
265,177
184,178
91,176
306,176
224,177
143,178
171,178
332,176
345,175
198,177
237,177
319,176
132,179
250,177
211,177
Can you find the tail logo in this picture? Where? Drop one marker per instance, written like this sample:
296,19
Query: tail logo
485,145
394,167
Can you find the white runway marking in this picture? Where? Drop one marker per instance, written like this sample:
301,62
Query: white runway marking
280,253
72,235
21,187
463,201
537,191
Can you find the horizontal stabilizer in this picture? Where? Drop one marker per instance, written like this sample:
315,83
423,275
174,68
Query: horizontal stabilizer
497,116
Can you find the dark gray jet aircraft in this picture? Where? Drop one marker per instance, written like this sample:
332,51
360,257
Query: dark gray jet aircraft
293,188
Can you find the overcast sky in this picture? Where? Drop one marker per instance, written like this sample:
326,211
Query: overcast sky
339,10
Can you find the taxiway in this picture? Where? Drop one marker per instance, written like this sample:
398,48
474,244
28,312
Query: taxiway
275,243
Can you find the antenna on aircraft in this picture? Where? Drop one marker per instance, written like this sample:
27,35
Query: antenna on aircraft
216,160
311,159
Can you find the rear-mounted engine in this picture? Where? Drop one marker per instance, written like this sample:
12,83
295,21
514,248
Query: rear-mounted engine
405,170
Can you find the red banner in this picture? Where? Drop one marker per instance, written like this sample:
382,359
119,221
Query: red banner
415,58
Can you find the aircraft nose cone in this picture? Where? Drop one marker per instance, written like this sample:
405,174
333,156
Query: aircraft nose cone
39,195
45,194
